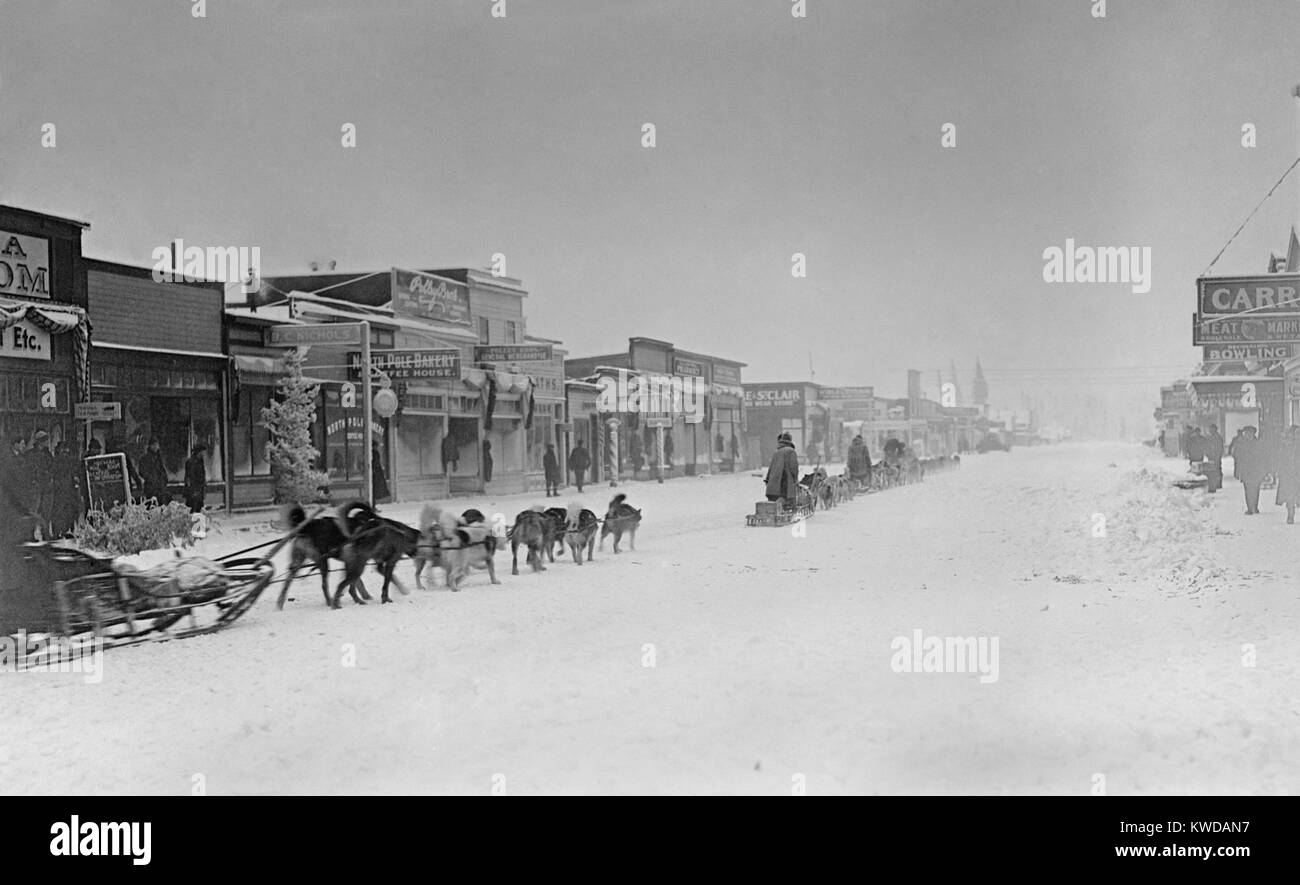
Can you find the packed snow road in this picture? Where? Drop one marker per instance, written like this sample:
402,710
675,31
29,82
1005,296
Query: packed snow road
1136,639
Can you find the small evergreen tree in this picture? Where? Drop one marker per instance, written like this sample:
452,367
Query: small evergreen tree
289,418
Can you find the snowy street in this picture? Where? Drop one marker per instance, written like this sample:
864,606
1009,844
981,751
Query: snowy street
720,658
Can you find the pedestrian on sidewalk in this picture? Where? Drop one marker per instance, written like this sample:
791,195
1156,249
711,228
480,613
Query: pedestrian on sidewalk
1252,460
196,479
551,466
1214,455
579,461
1195,447
450,453
1232,453
378,476
1287,470
154,474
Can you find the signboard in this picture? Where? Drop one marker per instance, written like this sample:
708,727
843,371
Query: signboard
24,266
24,341
840,393
563,426
97,411
1268,294
773,396
106,481
315,333
1255,353
428,297
659,421
726,375
688,367
1252,329
1234,394
410,365
513,353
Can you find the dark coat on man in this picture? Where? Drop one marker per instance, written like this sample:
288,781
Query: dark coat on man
551,465
1287,469
450,452
154,474
1195,446
196,481
783,472
859,460
1213,445
1252,460
378,479
579,459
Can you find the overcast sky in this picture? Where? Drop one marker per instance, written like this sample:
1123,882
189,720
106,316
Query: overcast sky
775,135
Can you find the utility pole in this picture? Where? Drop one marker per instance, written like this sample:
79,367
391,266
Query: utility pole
367,415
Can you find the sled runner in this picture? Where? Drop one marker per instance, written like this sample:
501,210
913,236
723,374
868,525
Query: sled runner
774,513
185,598
119,605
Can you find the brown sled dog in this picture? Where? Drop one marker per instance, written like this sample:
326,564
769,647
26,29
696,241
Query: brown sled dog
619,518
534,530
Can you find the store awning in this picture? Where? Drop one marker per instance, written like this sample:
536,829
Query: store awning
264,371
56,319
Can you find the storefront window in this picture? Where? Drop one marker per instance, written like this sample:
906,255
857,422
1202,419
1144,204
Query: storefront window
344,439
248,439
419,441
541,433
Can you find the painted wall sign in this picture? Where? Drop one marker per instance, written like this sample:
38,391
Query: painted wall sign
772,396
726,375
410,365
426,296
317,333
24,266
1254,329
841,393
513,353
1271,293
25,342
687,367
1218,353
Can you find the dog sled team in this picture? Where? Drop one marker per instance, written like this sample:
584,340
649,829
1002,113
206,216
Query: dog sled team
899,466
356,534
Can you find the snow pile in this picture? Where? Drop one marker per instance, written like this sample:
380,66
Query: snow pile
1128,526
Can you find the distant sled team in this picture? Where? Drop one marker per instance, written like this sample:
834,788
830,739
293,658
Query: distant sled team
356,534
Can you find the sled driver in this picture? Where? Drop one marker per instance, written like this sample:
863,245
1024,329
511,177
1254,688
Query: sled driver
783,473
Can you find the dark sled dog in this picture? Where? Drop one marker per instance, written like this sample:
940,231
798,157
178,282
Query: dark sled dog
354,535
558,517
534,530
385,541
619,518
316,541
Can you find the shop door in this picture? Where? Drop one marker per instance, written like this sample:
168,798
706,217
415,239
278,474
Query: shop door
463,473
